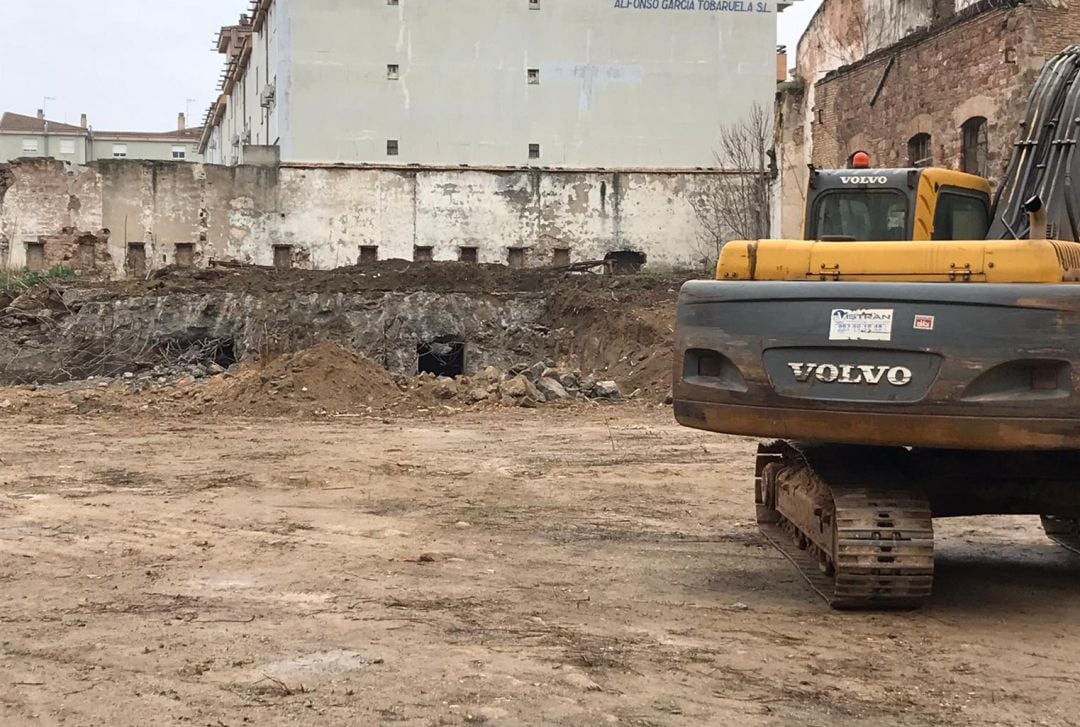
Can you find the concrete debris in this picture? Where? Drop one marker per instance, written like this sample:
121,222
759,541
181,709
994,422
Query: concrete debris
606,390
446,388
535,372
552,389
478,395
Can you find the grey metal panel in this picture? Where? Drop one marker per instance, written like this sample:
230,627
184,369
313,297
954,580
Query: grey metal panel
976,328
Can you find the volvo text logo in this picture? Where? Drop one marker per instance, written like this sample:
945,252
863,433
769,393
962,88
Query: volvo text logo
851,373
864,180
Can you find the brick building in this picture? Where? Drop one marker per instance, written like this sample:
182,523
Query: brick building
950,94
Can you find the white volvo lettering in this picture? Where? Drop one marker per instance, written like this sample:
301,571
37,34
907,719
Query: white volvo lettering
864,180
851,373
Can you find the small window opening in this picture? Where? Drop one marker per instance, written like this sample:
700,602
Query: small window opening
560,257
369,254
283,257
391,147
534,4
515,256
445,356
87,255
974,146
423,253
35,256
185,254
393,71
392,2
534,76
136,259
469,255
534,151
625,262
919,151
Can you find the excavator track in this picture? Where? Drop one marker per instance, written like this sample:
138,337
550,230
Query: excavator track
857,529
1063,531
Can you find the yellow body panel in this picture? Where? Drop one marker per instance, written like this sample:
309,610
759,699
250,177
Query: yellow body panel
983,261
931,180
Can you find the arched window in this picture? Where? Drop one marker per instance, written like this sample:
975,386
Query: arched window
919,152
973,146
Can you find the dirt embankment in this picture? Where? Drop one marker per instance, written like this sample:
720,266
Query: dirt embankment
188,323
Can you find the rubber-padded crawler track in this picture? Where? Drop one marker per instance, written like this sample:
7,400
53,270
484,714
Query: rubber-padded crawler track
881,549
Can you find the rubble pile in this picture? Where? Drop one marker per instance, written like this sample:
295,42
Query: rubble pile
324,380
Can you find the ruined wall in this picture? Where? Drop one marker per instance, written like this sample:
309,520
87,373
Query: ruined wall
978,60
162,212
981,67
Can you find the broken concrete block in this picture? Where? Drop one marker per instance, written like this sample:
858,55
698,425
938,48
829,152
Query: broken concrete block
478,395
607,390
551,389
570,380
490,374
516,387
5,404
446,389
535,372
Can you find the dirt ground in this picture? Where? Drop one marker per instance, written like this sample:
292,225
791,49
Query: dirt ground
591,566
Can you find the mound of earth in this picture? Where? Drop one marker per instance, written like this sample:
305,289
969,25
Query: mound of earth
325,377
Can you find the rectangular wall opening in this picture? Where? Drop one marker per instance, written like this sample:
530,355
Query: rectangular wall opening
135,262
515,257
423,253
369,254
184,255
469,255
560,257
445,356
35,256
283,257
87,255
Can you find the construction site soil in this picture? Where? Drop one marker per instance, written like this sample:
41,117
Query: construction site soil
305,538
507,567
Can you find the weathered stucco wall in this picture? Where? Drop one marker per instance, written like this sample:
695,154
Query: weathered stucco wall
326,215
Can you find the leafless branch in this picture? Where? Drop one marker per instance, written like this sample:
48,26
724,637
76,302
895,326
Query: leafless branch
737,206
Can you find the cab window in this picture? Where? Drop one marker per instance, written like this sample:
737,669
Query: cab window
960,216
861,215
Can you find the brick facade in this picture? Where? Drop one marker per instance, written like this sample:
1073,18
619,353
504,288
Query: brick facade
982,67
981,63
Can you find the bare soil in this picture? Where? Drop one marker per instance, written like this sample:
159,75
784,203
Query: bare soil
592,566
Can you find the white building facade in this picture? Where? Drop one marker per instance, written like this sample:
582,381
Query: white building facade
573,84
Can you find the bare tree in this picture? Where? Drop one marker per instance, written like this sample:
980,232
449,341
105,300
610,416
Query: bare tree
738,205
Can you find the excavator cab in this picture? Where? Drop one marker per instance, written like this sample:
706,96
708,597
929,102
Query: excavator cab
887,205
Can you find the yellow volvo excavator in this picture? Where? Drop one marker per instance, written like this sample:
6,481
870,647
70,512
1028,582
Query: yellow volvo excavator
916,355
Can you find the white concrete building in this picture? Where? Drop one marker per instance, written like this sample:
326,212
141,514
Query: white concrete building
576,84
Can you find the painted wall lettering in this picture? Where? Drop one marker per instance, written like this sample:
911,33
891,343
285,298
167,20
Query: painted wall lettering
709,6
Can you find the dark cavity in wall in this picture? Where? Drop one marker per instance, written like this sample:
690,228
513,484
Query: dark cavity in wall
625,262
445,356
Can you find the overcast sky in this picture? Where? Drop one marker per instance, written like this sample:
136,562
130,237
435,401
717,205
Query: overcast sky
132,65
